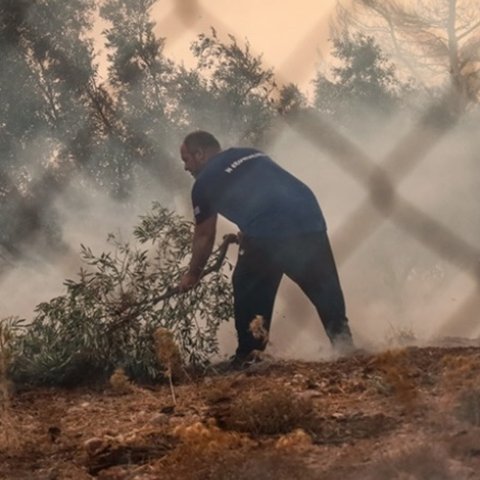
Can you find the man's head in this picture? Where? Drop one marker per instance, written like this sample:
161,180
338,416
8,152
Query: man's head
197,149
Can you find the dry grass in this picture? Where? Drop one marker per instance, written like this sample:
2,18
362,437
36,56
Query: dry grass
396,375
276,411
10,436
135,447
222,390
298,439
468,407
168,355
208,438
461,371
422,462
201,445
207,452
278,423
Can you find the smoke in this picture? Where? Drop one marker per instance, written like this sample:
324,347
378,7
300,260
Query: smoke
84,214
396,287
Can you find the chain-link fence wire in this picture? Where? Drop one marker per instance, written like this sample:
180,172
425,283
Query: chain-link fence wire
380,181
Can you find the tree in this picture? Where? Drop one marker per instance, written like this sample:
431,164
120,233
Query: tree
57,121
291,100
435,42
21,105
141,78
47,65
362,83
229,91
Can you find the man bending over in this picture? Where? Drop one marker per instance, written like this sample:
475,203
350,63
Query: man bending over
283,231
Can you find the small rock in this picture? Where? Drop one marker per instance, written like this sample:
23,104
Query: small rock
93,445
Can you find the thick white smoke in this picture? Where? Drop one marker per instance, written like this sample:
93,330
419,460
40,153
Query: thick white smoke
396,288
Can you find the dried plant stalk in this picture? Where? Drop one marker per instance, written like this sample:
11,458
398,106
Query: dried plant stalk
258,330
168,355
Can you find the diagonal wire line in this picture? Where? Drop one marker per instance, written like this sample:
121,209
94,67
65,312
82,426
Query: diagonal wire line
52,188
189,13
90,90
380,182
383,202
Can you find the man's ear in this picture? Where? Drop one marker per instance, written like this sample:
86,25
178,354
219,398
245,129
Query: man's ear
200,154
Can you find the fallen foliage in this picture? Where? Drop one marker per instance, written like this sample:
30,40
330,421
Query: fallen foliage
108,317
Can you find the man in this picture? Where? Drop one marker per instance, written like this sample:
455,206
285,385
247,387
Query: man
283,231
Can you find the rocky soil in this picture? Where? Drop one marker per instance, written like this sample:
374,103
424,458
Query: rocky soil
412,413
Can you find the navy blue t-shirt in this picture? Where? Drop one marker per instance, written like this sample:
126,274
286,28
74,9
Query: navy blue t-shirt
251,190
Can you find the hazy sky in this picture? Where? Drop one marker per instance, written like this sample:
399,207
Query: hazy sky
289,33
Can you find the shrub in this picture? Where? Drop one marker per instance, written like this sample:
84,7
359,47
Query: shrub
276,411
108,316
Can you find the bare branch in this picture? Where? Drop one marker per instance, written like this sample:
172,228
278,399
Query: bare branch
469,31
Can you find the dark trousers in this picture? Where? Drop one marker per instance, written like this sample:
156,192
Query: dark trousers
308,260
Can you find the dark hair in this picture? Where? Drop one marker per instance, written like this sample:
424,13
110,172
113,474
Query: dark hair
200,139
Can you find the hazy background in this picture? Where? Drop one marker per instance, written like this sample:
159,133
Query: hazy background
145,93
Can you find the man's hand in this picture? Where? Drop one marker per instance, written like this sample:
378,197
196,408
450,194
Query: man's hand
188,281
202,245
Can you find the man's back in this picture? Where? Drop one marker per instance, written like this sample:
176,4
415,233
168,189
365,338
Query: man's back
248,188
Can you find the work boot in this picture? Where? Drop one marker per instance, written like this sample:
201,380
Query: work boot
244,361
235,363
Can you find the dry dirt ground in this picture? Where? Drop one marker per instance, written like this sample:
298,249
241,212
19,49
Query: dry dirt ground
406,414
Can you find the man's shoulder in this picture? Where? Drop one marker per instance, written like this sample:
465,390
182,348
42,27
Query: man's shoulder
240,150
234,153
222,162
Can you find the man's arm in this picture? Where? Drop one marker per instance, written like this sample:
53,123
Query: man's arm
202,245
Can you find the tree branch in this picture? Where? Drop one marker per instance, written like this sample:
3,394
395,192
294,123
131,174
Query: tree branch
126,316
470,30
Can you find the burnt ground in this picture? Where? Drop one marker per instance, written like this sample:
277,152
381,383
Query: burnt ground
404,414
